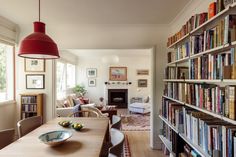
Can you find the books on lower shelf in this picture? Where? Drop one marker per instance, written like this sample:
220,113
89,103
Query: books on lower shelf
216,99
176,72
213,136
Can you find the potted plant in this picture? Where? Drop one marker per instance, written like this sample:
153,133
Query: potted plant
80,90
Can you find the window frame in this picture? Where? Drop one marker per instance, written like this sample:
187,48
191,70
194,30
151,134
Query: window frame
13,100
65,65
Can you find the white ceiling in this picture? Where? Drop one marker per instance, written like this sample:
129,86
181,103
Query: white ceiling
91,53
93,11
97,24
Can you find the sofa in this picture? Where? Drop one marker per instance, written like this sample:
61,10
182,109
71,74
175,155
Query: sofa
138,105
66,106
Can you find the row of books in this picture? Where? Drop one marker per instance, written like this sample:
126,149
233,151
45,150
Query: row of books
219,100
214,66
28,99
215,137
182,51
176,72
198,19
29,108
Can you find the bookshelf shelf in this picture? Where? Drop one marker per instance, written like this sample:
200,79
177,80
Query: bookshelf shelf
197,148
202,110
180,40
173,80
205,24
167,143
168,123
178,61
216,17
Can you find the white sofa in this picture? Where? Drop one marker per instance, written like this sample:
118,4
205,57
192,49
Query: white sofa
139,107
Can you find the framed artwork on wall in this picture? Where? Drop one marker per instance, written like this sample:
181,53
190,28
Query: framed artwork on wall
91,72
118,74
92,82
142,72
34,81
142,82
34,65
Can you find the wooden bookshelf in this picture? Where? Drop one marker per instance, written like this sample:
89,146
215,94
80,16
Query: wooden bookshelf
31,105
205,24
210,50
167,143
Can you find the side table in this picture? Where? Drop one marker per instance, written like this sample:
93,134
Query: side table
110,112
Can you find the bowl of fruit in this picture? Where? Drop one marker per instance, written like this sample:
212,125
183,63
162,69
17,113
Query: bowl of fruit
64,123
77,126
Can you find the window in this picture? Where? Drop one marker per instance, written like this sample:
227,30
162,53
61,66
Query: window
66,78
6,72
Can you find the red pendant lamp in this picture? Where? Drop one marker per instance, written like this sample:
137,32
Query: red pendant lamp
38,45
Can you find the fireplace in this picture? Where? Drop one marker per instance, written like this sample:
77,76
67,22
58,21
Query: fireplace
118,97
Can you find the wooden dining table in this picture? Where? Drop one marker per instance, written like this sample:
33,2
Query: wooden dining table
87,142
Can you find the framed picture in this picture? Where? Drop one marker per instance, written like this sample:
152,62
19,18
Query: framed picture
34,65
142,82
91,72
34,81
92,82
142,72
118,74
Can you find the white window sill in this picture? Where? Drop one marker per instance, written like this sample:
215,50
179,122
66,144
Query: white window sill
7,102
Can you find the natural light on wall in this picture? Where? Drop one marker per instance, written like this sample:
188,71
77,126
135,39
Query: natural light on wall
112,59
6,72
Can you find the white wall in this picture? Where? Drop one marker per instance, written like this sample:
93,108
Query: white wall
131,62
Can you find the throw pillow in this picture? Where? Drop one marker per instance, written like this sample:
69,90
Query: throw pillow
81,101
66,104
76,102
76,108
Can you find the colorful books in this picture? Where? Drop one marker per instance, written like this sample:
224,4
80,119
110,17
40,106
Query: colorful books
212,10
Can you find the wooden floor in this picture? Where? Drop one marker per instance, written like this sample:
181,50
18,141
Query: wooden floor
139,145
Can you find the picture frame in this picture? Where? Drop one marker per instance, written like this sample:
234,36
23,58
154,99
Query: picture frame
118,74
34,65
35,81
91,72
142,83
92,82
142,72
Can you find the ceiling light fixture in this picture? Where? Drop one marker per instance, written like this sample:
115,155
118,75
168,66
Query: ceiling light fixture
38,45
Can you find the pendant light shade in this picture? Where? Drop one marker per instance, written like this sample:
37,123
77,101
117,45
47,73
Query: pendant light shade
38,45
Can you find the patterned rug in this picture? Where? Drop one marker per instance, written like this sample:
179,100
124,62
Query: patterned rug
135,122
126,148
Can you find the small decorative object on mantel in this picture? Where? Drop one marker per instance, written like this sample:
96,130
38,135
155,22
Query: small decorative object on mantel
118,83
142,82
118,74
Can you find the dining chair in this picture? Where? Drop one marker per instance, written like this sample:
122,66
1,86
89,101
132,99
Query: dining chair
29,124
6,137
116,122
95,109
117,141
84,113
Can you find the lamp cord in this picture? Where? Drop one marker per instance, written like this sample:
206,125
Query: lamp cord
39,10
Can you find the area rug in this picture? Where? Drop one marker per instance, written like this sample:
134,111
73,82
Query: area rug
126,148
135,122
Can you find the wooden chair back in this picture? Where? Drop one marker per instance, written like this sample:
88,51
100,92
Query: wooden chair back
29,124
116,122
6,137
117,141
84,113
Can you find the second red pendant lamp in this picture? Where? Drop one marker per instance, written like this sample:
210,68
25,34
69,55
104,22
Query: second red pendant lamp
38,45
